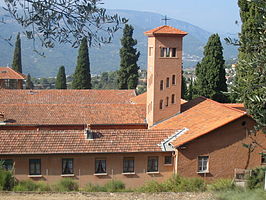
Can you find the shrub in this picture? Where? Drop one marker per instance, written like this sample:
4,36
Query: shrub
114,186
152,187
94,188
66,185
27,185
221,185
191,185
7,180
42,186
256,180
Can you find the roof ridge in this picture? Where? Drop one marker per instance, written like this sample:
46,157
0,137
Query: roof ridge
66,104
221,104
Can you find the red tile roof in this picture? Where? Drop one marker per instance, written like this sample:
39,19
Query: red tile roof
73,114
66,96
141,99
200,116
239,106
106,141
162,30
8,73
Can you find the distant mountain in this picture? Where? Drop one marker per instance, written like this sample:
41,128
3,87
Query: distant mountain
105,58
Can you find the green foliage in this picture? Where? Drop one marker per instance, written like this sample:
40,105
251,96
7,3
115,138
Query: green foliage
128,73
190,90
251,68
65,185
174,184
258,194
210,73
256,180
26,185
82,76
7,180
29,83
61,79
184,90
17,65
110,186
221,185
114,186
107,80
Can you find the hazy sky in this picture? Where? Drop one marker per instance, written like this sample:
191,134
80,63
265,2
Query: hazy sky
211,15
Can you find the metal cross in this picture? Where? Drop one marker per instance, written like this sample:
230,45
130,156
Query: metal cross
165,19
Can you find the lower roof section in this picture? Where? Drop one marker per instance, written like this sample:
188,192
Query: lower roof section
17,142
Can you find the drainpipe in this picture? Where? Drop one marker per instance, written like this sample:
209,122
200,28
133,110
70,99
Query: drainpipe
176,161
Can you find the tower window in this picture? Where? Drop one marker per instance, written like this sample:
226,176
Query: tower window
173,80
173,98
161,104
167,52
167,101
162,52
161,85
173,52
167,82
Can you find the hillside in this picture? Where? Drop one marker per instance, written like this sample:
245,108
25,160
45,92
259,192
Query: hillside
105,58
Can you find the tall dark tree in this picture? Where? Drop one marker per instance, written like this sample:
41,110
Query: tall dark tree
251,68
190,90
60,82
82,76
251,13
29,83
128,73
210,73
184,91
17,65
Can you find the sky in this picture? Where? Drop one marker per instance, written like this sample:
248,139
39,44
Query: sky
211,15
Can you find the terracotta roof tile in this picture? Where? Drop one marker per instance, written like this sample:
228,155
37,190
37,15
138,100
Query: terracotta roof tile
106,141
200,116
239,106
141,99
72,114
8,73
161,30
66,96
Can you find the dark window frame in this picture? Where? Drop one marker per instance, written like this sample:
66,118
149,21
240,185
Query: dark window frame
153,164
173,79
173,99
167,102
161,104
102,168
263,158
128,165
69,166
203,164
168,160
35,170
167,82
7,164
161,85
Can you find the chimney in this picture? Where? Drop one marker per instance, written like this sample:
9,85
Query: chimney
89,134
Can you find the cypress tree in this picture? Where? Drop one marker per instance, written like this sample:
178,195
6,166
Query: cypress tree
184,91
17,65
210,73
61,79
82,76
29,83
128,73
190,90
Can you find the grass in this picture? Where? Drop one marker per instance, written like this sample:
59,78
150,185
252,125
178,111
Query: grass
257,194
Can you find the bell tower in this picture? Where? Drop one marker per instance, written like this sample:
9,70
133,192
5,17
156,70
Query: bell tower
164,73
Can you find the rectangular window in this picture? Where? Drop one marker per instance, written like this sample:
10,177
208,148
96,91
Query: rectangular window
173,80
152,164
128,165
67,166
161,104
168,160
173,98
161,85
100,166
7,164
34,166
162,52
167,101
167,52
150,51
203,164
173,52
167,82
263,158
